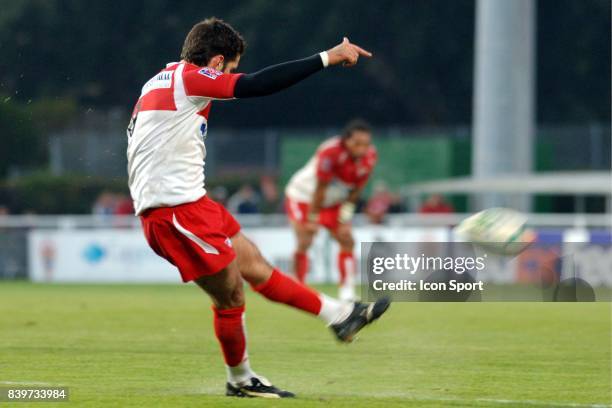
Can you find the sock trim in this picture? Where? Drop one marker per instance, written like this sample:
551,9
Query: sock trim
264,285
234,311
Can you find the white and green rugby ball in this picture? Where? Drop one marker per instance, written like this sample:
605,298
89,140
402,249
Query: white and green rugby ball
500,230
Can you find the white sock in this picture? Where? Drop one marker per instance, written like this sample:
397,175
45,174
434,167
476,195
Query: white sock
240,374
334,311
349,267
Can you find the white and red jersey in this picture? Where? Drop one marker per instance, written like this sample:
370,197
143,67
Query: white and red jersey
331,163
166,135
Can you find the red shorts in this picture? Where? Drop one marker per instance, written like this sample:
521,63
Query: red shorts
298,211
194,237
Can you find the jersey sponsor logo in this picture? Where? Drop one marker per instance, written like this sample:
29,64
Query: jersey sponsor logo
210,72
326,164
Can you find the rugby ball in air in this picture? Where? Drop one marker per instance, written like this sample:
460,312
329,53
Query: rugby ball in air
502,231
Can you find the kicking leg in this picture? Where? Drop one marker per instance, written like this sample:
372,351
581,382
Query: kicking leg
226,291
278,287
346,261
345,318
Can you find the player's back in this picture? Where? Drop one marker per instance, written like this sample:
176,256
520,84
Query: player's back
166,142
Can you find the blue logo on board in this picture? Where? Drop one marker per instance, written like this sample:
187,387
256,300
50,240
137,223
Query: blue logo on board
94,253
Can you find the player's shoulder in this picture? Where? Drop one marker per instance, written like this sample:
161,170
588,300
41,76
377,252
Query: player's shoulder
369,159
194,71
167,70
331,147
163,79
171,66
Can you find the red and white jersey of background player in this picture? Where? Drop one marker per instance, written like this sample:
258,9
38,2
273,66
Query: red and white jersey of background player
166,135
332,163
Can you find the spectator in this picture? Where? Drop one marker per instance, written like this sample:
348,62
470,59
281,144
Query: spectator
219,194
244,201
380,202
105,204
123,205
269,191
435,204
4,212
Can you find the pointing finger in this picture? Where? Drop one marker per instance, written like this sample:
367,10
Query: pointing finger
361,51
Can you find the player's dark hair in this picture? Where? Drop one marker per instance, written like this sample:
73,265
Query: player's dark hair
211,37
355,125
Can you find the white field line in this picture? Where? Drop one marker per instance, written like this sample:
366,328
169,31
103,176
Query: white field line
25,383
531,403
409,397
543,404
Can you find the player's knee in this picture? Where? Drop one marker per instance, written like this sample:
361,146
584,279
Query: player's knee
346,241
347,246
230,297
238,296
257,270
235,298
261,271
304,243
304,246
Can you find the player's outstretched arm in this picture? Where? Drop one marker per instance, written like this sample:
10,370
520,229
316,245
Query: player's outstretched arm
278,77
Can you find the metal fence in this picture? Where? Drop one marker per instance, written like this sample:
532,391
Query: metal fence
96,144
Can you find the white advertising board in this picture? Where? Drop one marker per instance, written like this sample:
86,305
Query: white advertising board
97,255
122,255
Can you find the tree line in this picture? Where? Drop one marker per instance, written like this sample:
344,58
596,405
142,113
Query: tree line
97,55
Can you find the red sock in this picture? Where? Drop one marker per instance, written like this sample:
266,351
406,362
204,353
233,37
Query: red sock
300,265
281,288
229,328
346,265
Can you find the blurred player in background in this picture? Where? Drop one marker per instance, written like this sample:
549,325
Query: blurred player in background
196,234
325,192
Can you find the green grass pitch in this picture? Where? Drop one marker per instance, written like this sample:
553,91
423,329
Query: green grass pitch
149,346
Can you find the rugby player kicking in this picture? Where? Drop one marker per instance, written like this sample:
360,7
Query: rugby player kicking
199,236
325,192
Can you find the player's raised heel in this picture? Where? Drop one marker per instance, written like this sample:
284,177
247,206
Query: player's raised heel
258,388
347,293
362,315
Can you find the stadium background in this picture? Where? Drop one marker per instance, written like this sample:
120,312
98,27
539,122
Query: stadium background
85,304
71,71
